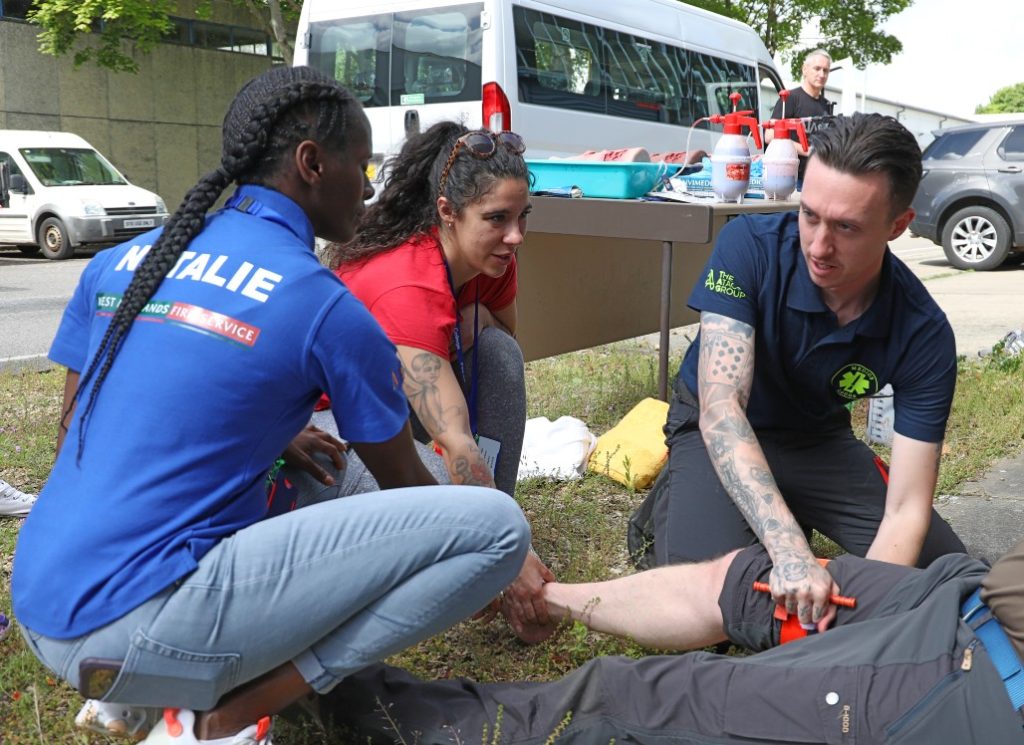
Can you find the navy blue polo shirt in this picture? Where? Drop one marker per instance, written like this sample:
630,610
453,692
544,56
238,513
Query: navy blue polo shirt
807,368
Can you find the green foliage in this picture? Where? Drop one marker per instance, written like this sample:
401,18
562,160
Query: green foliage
848,29
1008,100
65,22
124,28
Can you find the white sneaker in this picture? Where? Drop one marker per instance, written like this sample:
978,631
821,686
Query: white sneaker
176,727
14,502
116,720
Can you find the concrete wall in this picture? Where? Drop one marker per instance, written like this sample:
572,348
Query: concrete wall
160,126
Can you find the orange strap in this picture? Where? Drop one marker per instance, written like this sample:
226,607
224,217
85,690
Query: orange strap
791,630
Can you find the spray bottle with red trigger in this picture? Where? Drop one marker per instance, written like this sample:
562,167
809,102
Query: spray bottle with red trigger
730,160
781,162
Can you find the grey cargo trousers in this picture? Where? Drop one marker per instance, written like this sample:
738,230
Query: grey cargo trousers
892,670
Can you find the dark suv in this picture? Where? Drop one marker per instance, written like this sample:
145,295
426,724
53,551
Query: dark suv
971,199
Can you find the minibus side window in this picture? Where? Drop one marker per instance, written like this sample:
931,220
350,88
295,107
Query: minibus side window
646,79
437,56
714,79
568,64
356,52
559,62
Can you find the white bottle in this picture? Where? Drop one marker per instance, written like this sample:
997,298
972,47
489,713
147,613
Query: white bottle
730,160
781,163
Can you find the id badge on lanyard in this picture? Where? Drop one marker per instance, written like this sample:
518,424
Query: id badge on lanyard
489,448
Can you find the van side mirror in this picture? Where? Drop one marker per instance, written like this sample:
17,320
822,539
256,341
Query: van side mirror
18,184
5,185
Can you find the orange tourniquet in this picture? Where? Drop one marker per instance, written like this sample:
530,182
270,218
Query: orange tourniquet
791,628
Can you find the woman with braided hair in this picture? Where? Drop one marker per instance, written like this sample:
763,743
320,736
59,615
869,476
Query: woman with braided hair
434,260
148,573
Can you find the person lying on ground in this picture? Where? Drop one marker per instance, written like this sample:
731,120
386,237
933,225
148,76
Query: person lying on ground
921,658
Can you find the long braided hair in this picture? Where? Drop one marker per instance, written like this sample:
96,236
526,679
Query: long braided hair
267,119
407,206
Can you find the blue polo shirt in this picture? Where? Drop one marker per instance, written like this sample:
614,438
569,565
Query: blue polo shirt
807,368
219,372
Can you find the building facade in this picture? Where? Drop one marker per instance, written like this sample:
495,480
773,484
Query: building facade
159,126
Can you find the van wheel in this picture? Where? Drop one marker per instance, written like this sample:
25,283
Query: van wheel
28,249
53,239
976,238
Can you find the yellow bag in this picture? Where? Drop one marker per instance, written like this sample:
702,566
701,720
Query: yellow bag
633,452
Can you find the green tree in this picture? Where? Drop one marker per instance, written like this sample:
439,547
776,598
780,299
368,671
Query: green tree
1008,100
128,26
849,28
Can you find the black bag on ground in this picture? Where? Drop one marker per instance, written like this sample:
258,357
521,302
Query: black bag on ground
640,531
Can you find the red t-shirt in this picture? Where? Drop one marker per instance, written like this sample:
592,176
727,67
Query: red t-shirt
407,291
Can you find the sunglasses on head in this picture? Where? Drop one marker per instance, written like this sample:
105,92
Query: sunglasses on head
482,144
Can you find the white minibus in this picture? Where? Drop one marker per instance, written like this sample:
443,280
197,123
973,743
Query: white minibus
567,75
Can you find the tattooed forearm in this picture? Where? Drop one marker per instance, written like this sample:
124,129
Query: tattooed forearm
726,364
471,470
420,386
762,476
725,376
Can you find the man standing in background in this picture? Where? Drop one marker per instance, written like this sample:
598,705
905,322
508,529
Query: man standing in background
806,100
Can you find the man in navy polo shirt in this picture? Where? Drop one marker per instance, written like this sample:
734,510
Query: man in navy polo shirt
801,314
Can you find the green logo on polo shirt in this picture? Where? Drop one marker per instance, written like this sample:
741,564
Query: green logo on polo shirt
724,285
854,381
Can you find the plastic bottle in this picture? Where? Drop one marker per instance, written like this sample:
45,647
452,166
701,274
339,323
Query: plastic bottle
730,160
781,163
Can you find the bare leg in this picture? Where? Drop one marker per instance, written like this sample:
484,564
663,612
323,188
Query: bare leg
673,607
258,698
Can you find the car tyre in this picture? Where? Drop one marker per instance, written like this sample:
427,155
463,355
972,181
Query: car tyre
976,238
54,240
28,249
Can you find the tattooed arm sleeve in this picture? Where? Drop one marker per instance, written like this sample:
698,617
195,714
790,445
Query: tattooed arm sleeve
435,396
724,375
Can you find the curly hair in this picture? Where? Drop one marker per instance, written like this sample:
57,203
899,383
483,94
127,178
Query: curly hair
267,119
408,203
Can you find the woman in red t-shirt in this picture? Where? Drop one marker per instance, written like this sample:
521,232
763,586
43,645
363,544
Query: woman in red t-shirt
434,261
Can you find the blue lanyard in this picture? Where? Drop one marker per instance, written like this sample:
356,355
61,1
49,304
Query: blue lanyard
457,338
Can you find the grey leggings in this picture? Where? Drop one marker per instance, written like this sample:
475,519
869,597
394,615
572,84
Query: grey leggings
501,416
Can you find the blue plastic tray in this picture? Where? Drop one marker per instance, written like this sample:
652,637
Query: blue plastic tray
601,179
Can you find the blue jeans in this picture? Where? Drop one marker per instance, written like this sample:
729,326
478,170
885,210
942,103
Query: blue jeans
331,587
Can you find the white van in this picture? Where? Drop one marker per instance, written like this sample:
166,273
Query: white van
57,192
567,75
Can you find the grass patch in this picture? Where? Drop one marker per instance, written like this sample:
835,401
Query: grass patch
579,526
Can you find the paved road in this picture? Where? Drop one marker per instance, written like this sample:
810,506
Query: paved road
33,293
982,306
